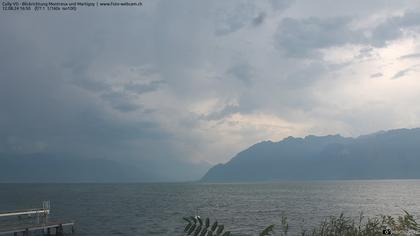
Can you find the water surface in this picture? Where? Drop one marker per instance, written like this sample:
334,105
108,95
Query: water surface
157,209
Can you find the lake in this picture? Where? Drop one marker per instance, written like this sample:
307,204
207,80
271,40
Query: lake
245,208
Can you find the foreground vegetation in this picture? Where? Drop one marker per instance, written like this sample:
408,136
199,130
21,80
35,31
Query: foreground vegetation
195,226
404,225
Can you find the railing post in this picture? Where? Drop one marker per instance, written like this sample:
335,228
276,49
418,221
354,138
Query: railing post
60,230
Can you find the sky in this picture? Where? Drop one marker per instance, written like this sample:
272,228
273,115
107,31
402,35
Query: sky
199,81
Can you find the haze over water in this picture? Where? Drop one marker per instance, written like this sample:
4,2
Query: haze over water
157,209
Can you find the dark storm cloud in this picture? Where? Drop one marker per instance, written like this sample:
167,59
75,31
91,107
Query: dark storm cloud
281,4
55,96
306,76
228,110
242,72
135,83
231,18
144,88
39,106
120,101
393,28
302,37
259,19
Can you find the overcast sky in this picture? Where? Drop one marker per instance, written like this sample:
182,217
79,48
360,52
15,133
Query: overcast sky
199,81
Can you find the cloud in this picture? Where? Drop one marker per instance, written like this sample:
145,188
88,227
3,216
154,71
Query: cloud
281,4
366,53
120,101
300,37
394,27
74,98
303,37
376,75
225,112
410,56
232,17
242,72
306,75
259,19
145,87
401,73
196,82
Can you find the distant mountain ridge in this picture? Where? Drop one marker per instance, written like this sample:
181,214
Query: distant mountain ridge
393,154
61,168
52,168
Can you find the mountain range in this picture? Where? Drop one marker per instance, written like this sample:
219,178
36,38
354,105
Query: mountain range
62,168
393,154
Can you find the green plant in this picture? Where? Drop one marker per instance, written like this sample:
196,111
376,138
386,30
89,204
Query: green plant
342,225
371,226
267,231
196,227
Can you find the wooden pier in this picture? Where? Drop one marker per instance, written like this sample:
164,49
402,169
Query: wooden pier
38,223
52,228
28,212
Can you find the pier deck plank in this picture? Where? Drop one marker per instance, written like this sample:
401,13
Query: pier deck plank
4,230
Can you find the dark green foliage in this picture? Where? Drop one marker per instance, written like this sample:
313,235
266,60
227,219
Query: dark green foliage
207,223
284,226
407,222
197,230
191,229
371,226
187,227
203,232
214,226
333,226
267,231
196,227
220,229
199,220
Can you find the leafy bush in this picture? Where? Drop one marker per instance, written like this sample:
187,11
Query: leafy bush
196,227
346,226
342,225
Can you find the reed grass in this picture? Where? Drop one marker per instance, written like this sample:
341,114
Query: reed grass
404,225
342,225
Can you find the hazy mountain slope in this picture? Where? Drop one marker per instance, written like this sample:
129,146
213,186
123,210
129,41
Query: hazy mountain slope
46,167
392,154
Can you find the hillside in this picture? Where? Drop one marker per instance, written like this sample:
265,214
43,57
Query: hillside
48,167
392,154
